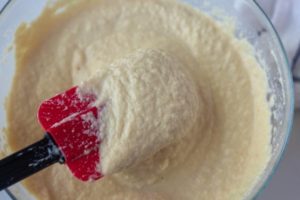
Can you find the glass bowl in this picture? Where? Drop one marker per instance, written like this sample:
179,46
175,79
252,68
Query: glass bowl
251,24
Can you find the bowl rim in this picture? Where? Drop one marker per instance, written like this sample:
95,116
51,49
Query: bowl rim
290,104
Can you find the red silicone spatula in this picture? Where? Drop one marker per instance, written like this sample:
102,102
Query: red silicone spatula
72,138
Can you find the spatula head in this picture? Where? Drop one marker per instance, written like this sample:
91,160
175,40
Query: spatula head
72,121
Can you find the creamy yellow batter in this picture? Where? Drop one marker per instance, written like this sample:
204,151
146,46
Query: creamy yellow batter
224,145
149,101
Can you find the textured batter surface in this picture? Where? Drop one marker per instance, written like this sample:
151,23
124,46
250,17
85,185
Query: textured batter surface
149,102
224,152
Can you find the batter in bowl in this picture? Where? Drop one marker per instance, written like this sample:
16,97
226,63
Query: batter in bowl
149,102
226,144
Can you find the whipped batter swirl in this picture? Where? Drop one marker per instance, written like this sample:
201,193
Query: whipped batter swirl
151,101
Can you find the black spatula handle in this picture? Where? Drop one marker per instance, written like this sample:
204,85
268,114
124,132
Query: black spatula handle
28,161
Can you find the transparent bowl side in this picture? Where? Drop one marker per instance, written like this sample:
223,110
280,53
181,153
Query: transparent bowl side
11,16
257,29
253,25
272,57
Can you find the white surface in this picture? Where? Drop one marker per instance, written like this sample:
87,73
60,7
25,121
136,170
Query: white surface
2,3
4,196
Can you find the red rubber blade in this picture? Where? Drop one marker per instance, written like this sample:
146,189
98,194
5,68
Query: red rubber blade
62,106
72,121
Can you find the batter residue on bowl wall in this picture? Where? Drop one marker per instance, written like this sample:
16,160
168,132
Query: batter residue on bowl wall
227,146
